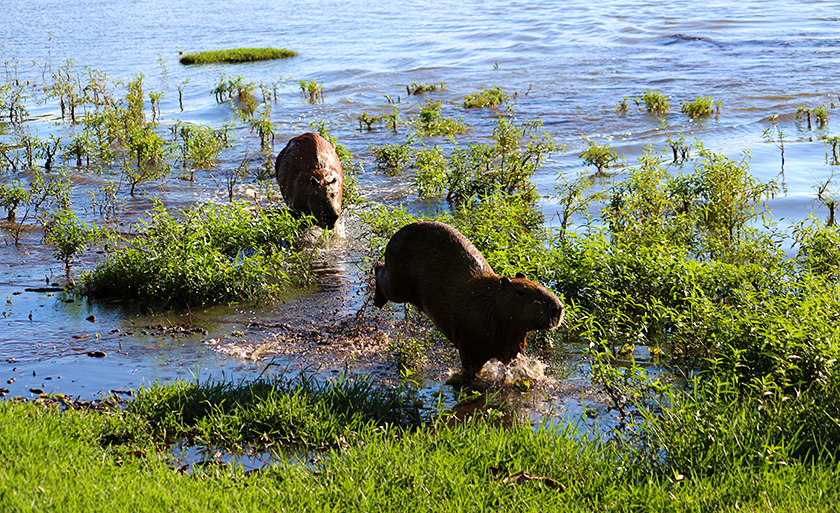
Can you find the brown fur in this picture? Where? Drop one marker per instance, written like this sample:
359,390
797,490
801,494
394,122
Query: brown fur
435,268
311,179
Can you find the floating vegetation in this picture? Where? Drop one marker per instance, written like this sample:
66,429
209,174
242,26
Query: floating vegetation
236,55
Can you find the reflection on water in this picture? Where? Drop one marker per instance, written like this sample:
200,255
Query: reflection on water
568,63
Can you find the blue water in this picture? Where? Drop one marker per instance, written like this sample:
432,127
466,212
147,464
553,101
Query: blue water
567,63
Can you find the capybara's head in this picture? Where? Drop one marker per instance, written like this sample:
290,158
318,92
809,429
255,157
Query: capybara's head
527,305
323,196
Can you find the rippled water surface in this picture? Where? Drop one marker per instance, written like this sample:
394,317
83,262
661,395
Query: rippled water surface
568,63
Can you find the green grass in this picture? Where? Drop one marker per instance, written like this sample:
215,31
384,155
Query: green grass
236,55
60,461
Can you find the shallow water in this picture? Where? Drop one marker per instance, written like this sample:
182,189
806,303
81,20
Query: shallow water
568,63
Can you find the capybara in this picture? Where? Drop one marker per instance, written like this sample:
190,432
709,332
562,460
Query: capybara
311,179
435,268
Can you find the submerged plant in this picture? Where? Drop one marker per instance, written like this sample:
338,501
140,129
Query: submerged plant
777,138
834,142
517,152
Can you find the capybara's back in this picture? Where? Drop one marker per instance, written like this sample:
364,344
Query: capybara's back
434,267
310,178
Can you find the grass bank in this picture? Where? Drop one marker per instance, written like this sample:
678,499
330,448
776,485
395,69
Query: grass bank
69,459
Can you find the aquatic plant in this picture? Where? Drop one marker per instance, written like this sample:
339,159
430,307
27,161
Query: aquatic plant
392,158
313,90
46,192
236,55
777,138
655,102
366,121
145,157
621,107
602,156
68,235
67,88
679,148
804,112
821,115
11,196
417,88
700,107
155,98
492,97
573,200
834,142
430,122
828,194
215,254
481,169
200,145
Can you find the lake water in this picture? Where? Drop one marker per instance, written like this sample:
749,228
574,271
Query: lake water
567,63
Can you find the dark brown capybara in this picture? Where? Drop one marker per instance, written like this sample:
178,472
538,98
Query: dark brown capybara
311,179
435,268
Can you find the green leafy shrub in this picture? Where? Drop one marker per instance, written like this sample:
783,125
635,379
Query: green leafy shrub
68,235
602,156
216,253
392,159
481,169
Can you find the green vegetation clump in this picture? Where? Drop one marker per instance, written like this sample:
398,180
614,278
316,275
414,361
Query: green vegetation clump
700,107
216,253
236,55
392,159
655,102
418,88
516,153
492,97
430,122
602,156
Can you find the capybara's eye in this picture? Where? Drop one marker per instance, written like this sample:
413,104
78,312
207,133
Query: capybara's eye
520,292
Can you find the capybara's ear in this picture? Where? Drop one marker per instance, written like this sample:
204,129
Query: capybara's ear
505,280
520,275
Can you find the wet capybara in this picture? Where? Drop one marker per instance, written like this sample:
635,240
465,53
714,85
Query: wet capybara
435,268
311,179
